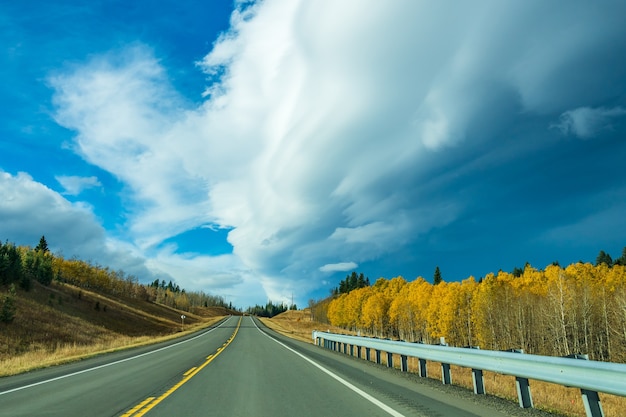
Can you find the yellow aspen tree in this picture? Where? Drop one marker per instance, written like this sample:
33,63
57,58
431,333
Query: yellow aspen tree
487,313
364,294
390,292
437,326
449,324
374,314
604,339
353,307
401,314
335,311
420,297
582,283
466,313
616,286
556,309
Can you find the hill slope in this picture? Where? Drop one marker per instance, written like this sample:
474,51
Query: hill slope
59,317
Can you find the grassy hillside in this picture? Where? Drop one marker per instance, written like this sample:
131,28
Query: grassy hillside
60,321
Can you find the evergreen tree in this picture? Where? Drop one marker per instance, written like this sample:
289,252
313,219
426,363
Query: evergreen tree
437,277
43,245
352,283
10,263
604,258
45,272
360,283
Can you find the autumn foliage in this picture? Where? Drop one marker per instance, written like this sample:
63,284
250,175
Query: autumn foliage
22,265
557,311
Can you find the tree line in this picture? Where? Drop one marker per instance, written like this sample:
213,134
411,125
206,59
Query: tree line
352,282
22,265
556,311
270,309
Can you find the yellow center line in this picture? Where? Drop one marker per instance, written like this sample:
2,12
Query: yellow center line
151,402
137,407
189,371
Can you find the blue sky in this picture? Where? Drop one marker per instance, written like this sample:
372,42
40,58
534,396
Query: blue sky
259,150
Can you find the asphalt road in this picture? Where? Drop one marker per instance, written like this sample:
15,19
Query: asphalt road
239,368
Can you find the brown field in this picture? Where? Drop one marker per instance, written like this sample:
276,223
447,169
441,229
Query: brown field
549,397
63,323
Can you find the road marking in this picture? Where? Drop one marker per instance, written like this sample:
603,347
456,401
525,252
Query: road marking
109,364
137,407
146,406
357,390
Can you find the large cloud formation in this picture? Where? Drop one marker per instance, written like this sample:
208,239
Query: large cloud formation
337,133
29,209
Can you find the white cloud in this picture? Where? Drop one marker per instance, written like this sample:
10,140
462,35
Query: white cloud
29,210
75,185
339,267
325,129
586,122
127,117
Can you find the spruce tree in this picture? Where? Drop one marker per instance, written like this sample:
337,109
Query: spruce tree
43,245
604,258
437,277
352,282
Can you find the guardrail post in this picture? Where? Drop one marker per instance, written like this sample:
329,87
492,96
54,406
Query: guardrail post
351,350
378,356
591,399
389,360
404,364
422,368
523,388
523,392
446,377
345,348
358,352
367,354
479,381
477,377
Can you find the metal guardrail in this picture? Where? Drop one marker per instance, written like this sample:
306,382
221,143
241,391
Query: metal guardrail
590,376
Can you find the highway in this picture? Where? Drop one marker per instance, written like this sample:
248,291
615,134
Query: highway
238,368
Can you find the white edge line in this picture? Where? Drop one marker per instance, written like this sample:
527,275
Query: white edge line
357,390
109,364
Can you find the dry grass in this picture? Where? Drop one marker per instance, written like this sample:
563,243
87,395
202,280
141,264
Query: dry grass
549,397
44,356
62,323
297,324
